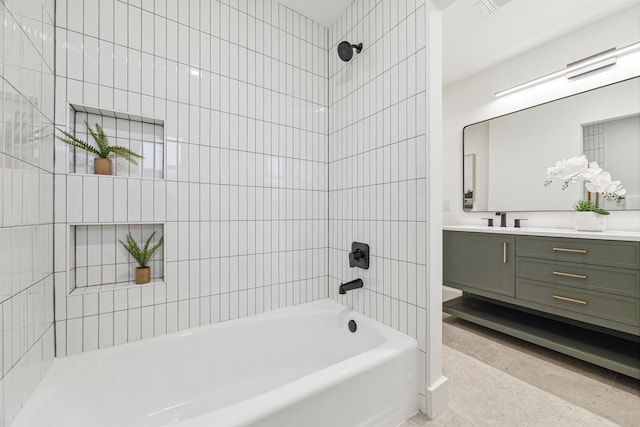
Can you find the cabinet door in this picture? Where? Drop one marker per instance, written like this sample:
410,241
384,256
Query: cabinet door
480,263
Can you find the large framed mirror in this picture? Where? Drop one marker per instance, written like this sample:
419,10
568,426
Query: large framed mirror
511,153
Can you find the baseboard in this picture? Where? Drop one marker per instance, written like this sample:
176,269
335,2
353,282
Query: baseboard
436,400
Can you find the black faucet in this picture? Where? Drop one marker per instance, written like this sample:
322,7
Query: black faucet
503,218
349,286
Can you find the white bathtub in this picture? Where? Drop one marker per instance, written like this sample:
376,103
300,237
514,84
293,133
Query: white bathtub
299,366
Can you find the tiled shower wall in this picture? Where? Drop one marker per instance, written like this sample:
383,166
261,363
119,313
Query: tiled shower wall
377,154
241,89
26,199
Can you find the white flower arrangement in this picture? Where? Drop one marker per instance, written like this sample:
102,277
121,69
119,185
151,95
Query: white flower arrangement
596,181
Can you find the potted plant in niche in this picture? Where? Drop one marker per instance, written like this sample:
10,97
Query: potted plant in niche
142,255
589,214
102,164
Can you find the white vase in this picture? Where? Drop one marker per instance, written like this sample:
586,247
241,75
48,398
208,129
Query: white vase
590,221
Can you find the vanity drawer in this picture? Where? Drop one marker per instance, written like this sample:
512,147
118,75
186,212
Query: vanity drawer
564,301
619,281
599,252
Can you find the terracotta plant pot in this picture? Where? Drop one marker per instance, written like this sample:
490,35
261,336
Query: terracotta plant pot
143,275
102,166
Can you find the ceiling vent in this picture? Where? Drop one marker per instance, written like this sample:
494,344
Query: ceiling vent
489,7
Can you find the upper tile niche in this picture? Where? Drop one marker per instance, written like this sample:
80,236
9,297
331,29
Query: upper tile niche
143,135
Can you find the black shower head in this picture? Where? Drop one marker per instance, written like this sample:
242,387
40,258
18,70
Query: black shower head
345,50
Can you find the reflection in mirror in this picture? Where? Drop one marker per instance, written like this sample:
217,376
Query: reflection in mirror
615,145
511,153
469,180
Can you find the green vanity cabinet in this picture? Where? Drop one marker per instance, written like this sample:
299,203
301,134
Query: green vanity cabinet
578,296
480,263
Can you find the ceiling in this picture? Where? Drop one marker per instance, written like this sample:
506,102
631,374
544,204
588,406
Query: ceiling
473,42
326,12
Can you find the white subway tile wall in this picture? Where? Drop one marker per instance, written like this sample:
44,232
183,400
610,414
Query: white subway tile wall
242,90
26,197
593,143
593,148
377,154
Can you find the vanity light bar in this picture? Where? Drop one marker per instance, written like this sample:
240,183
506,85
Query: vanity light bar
530,83
578,68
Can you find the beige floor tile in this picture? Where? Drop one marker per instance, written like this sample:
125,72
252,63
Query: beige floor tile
421,419
459,421
603,392
498,380
486,396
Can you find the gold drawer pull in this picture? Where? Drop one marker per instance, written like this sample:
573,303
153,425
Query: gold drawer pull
504,253
577,301
575,276
573,251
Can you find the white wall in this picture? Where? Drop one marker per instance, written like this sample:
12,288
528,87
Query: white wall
26,200
241,91
472,100
377,164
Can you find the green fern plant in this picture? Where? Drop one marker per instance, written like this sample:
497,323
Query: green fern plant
587,206
102,149
141,254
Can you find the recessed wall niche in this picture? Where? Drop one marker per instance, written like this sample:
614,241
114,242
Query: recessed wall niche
143,135
99,262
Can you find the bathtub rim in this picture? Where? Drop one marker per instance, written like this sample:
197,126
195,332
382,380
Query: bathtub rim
301,309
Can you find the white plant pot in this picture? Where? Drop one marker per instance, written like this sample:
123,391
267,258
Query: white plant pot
590,221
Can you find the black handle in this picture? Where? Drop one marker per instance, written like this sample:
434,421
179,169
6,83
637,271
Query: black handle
489,222
516,222
359,255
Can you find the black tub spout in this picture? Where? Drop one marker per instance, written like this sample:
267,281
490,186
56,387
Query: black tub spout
354,284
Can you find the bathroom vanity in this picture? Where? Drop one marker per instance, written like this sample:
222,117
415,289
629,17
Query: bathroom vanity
574,292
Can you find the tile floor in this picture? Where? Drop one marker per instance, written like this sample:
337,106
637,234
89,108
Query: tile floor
497,380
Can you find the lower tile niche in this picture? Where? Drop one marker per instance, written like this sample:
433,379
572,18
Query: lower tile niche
98,261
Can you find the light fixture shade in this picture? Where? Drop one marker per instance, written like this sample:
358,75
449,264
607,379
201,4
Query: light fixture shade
590,67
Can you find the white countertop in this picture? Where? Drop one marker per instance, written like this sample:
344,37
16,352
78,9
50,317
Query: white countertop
632,236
